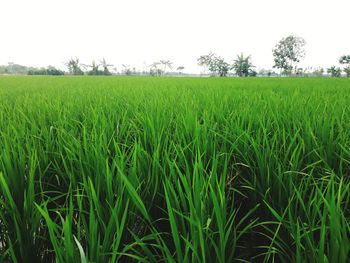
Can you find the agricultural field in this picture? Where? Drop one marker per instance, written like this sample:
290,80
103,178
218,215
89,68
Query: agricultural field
132,169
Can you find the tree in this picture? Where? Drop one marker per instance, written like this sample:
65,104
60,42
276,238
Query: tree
243,66
215,64
127,70
222,67
155,70
105,67
208,61
318,72
345,60
334,71
166,64
74,67
266,72
300,71
288,52
180,69
95,71
347,71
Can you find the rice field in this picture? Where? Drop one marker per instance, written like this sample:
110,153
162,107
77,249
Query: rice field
132,169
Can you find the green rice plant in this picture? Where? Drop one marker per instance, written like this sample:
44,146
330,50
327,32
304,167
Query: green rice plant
174,169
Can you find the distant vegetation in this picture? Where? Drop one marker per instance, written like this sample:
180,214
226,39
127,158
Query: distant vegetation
74,67
215,64
345,60
334,71
243,66
287,53
46,71
16,69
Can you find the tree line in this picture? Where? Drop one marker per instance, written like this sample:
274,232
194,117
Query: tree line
287,53
157,68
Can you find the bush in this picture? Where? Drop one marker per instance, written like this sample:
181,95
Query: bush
43,71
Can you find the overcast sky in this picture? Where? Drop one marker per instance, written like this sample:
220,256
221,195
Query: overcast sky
138,32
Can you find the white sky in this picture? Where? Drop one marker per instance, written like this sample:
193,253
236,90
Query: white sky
138,32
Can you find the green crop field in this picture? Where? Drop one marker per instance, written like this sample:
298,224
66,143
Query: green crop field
127,169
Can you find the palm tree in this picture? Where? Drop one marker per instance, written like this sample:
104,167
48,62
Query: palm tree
166,64
105,67
154,70
127,71
242,65
94,68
